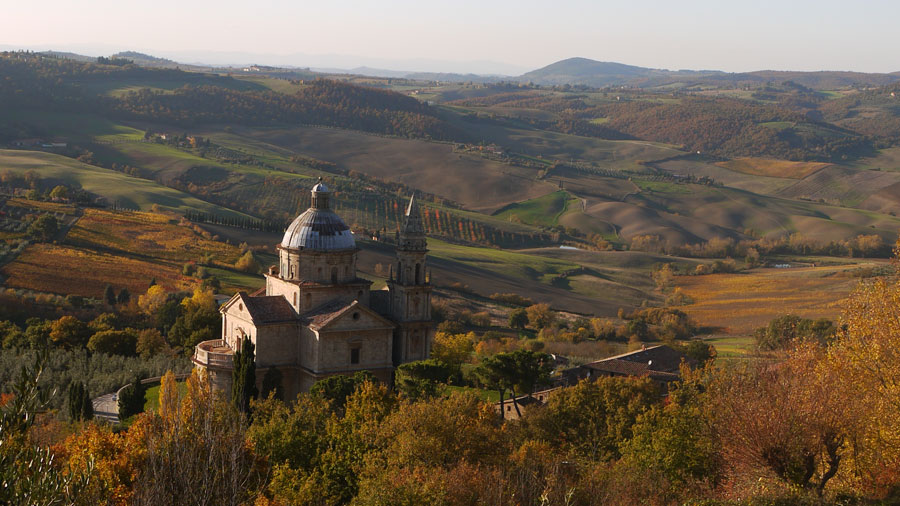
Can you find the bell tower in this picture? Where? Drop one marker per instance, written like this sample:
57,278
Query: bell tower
410,289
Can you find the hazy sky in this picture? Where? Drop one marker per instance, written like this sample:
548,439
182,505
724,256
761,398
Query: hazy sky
697,34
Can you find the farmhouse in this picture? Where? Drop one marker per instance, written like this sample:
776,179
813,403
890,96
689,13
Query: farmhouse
317,318
660,363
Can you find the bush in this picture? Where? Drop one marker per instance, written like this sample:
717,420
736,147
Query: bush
114,342
513,299
785,331
44,228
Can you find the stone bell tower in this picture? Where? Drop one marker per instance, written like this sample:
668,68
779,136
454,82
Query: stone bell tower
410,289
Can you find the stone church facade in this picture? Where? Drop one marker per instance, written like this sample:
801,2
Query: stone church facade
317,318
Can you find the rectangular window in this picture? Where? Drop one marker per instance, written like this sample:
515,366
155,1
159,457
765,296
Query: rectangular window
354,355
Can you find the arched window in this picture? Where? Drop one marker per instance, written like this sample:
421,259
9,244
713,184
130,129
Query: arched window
359,295
308,300
334,274
295,299
399,272
418,269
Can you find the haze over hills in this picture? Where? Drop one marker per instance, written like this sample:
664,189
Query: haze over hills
586,72
575,71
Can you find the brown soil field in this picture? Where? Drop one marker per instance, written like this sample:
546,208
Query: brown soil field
740,303
475,182
756,184
773,168
843,185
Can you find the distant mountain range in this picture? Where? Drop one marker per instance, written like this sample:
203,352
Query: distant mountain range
571,71
583,71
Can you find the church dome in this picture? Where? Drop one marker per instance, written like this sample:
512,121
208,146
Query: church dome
318,228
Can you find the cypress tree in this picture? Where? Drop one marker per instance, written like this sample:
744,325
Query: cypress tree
79,405
243,385
109,295
74,402
131,400
87,407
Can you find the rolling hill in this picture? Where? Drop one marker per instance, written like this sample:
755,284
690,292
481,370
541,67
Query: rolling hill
597,74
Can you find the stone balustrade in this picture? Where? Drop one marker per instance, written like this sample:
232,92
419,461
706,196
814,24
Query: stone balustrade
214,353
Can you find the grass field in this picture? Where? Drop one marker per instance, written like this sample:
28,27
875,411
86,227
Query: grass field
115,187
151,396
478,183
543,211
737,304
733,347
506,263
773,168
885,159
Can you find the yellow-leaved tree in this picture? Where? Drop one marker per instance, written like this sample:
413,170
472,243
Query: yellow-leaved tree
867,356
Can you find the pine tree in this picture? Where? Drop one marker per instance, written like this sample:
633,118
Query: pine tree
243,386
124,296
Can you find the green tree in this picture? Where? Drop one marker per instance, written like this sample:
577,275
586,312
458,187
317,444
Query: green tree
291,434
13,337
37,332
79,402
339,387
421,379
44,228
675,441
124,296
700,350
59,192
520,370
518,318
131,399
114,342
243,384
70,332
593,418
109,295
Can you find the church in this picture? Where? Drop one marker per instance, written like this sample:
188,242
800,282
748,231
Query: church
316,317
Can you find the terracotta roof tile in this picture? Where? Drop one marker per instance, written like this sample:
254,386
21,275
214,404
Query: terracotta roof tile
619,366
268,309
320,316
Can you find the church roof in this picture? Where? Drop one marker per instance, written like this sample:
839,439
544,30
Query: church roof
324,315
267,309
318,228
